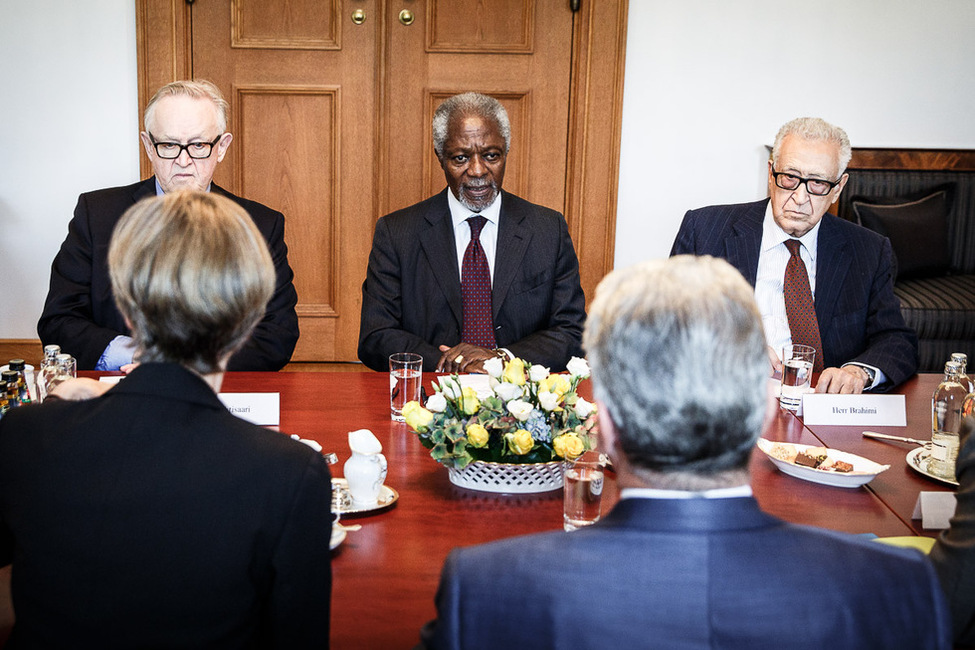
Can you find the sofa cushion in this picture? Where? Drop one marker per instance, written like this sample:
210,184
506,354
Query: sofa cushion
918,232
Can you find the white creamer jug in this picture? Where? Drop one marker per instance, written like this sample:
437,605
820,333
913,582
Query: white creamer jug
365,470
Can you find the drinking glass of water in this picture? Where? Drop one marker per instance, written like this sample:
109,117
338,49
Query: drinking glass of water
797,368
405,376
582,481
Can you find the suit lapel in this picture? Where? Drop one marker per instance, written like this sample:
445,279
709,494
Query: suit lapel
833,255
144,189
514,235
742,248
438,244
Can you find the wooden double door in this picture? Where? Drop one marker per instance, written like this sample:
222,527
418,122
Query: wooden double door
331,104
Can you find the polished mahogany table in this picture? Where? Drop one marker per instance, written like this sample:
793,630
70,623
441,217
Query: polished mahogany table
385,575
897,487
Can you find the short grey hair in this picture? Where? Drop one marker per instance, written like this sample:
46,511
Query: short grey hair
192,275
679,360
197,89
469,104
815,128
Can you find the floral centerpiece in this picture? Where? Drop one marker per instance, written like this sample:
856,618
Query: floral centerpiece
531,417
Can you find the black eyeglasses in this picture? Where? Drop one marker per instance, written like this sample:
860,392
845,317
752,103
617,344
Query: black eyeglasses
815,186
171,150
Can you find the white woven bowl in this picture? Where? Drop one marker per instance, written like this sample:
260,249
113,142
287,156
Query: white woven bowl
507,478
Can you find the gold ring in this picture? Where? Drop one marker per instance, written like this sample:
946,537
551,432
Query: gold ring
459,358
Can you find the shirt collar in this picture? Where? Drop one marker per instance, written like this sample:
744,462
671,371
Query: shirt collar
719,493
773,235
459,214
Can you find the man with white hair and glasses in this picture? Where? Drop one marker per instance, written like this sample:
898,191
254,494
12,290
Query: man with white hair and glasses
841,274
185,138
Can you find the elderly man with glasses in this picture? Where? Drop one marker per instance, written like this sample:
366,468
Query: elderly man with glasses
185,138
819,280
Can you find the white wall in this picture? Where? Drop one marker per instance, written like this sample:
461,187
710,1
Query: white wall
68,124
707,85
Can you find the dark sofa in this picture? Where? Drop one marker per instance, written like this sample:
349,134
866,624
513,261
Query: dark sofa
924,201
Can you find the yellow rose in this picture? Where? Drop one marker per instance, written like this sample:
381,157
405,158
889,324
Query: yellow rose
514,372
568,445
477,435
520,442
557,384
468,401
417,417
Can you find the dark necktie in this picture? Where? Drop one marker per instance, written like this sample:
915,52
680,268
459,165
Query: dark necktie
799,306
475,286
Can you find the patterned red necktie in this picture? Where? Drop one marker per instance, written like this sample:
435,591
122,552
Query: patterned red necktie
799,306
475,286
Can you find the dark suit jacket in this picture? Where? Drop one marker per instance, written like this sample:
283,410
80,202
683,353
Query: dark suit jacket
695,573
954,552
80,313
152,517
411,298
859,315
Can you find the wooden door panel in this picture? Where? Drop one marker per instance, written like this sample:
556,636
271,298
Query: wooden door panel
285,25
505,26
297,189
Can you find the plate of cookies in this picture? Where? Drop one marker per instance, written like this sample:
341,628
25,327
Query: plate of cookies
821,464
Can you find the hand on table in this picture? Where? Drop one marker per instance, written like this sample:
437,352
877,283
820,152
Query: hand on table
79,389
464,357
129,367
845,381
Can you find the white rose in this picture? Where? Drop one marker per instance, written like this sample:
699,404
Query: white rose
548,400
508,392
583,408
537,373
578,367
449,387
494,367
436,403
520,409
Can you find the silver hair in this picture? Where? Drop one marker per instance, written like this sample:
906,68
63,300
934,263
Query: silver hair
197,89
678,359
469,104
814,128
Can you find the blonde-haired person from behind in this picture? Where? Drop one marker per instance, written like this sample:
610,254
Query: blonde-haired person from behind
147,514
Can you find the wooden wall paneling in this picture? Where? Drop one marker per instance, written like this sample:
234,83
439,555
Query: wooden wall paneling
595,127
955,160
586,164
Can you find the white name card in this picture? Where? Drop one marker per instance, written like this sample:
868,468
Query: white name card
260,408
854,410
934,509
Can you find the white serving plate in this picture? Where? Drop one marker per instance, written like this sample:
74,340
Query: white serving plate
863,469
